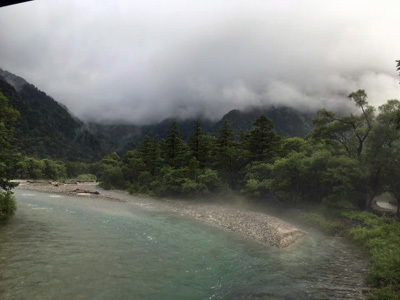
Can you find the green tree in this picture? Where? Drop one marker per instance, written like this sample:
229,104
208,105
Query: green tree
349,132
175,150
261,141
111,175
383,152
53,170
150,154
198,145
133,165
228,158
225,136
8,117
257,179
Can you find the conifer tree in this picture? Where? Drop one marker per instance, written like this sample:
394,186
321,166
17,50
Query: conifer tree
175,151
261,141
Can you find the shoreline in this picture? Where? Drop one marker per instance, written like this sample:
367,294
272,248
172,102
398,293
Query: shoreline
259,227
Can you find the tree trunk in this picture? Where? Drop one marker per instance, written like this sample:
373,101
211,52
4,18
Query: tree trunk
370,198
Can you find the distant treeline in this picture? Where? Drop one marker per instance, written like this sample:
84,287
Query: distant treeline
33,168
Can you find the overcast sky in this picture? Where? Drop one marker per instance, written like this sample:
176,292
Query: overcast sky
143,61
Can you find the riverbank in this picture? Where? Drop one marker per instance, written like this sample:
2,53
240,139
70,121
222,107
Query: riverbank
257,226
378,234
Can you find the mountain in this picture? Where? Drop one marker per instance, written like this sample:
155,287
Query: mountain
287,121
46,128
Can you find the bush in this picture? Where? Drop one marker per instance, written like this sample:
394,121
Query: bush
8,205
112,178
381,237
87,177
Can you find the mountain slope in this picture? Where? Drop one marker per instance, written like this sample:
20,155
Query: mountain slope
45,128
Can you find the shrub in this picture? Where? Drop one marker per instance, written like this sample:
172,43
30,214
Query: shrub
112,178
8,205
87,177
381,237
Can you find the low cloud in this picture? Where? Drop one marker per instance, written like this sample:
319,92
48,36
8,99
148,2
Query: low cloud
114,61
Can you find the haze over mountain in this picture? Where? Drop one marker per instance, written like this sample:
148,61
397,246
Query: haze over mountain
141,62
46,128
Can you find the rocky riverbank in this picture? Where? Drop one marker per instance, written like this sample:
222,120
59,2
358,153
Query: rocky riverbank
257,226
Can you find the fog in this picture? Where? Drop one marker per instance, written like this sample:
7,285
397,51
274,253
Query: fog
139,62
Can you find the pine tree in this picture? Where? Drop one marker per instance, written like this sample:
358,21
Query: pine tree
175,151
262,142
197,144
151,155
225,137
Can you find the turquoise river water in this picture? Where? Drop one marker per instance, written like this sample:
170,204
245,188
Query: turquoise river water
62,247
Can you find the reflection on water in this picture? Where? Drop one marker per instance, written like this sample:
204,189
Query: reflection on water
80,248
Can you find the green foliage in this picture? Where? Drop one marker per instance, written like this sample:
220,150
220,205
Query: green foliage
112,178
261,141
8,117
257,180
348,132
74,169
32,168
110,173
295,144
175,151
150,154
381,237
201,146
7,205
383,294
87,177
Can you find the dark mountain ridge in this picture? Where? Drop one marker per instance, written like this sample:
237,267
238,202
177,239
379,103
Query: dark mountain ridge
47,129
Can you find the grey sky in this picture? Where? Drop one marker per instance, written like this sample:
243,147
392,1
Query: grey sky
142,61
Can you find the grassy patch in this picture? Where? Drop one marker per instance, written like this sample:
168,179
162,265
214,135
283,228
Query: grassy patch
87,177
381,237
316,219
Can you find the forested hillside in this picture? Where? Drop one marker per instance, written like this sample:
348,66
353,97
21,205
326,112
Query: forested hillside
45,128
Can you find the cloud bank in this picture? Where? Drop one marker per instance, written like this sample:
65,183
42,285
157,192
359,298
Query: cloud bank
143,61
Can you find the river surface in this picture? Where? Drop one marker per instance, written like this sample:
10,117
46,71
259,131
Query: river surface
63,247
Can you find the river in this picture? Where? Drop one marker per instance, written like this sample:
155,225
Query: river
64,247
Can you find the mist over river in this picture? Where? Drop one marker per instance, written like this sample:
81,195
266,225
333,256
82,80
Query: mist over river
64,247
